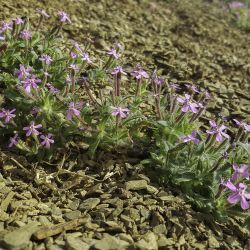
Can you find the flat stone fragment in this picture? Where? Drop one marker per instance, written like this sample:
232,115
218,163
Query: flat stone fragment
148,242
109,242
136,185
20,238
160,229
24,204
5,203
152,190
55,247
4,216
126,237
72,215
112,226
44,220
163,241
73,243
89,204
45,232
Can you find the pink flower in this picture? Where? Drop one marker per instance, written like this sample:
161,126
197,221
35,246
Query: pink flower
23,72
113,52
157,80
18,20
25,35
73,55
174,86
117,70
118,111
5,26
52,89
187,104
73,67
7,114
192,88
43,13
35,111
47,140
85,57
63,17
238,194
30,83
191,137
240,171
236,5
139,73
13,140
46,59
218,131
32,129
244,125
73,110
77,46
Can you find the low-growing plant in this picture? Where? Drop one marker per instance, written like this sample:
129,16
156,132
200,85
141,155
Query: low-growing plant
241,10
57,97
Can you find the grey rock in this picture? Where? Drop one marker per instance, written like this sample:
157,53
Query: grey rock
89,204
149,242
136,185
20,238
163,241
44,220
74,204
73,243
72,215
126,237
109,242
160,229
152,190
56,210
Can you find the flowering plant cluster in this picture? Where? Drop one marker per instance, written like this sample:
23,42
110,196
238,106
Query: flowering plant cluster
241,10
59,98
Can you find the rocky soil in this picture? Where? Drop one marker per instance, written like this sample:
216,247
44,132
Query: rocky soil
101,206
111,203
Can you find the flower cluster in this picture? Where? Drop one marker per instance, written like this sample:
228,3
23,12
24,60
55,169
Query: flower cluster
46,59
187,104
237,187
7,115
30,83
191,138
5,26
218,131
138,73
23,72
63,17
120,112
25,34
113,53
73,110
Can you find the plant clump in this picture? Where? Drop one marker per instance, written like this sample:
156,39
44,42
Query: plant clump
58,97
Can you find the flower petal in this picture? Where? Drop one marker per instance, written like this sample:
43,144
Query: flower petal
244,203
230,186
233,198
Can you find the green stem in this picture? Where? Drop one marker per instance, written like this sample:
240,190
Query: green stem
138,88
